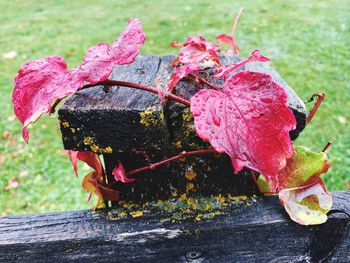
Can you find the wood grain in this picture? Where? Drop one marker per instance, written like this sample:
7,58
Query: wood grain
138,129
261,232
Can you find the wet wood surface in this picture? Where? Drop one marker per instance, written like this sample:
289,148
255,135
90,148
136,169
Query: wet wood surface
259,232
136,128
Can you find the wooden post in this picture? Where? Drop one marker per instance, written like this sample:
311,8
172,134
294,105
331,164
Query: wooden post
136,128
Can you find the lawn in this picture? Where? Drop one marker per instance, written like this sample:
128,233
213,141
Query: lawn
307,41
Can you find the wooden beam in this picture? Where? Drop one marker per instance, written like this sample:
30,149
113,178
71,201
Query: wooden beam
259,232
134,127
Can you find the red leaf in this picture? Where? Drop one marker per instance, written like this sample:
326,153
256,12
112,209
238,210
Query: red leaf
127,47
197,50
249,121
13,183
223,38
119,174
100,59
91,184
222,72
180,73
175,44
90,158
38,84
97,65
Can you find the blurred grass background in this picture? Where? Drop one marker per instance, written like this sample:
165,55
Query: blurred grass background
307,41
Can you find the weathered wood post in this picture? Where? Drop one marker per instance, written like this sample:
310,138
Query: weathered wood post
135,127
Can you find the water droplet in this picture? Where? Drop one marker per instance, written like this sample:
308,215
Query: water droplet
255,86
266,100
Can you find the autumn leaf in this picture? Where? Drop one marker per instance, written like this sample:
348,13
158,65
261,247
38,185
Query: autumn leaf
38,84
224,71
13,183
90,158
249,120
99,60
197,50
119,174
181,72
92,184
225,39
301,189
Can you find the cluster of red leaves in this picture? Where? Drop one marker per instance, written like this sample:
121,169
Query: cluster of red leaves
95,181
247,118
40,83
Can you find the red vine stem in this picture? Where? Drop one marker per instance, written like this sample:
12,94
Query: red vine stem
180,155
233,34
155,165
320,98
130,85
141,87
329,143
204,81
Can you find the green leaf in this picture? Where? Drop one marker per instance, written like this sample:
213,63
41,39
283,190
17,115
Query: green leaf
301,189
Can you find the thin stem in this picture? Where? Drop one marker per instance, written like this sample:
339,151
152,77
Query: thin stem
141,87
253,176
269,193
180,155
155,165
329,143
204,81
130,85
320,98
233,34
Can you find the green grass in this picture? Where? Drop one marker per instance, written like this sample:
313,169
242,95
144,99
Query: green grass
307,41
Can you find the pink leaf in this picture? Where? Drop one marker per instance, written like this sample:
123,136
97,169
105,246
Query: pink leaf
99,60
127,47
13,183
175,44
222,72
90,158
97,65
197,50
179,73
223,38
38,84
119,174
249,121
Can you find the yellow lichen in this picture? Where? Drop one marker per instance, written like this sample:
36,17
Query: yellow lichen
187,115
88,141
199,217
183,197
108,149
136,213
190,175
220,199
72,130
193,203
238,197
148,117
189,187
174,193
207,207
65,124
178,145
95,148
